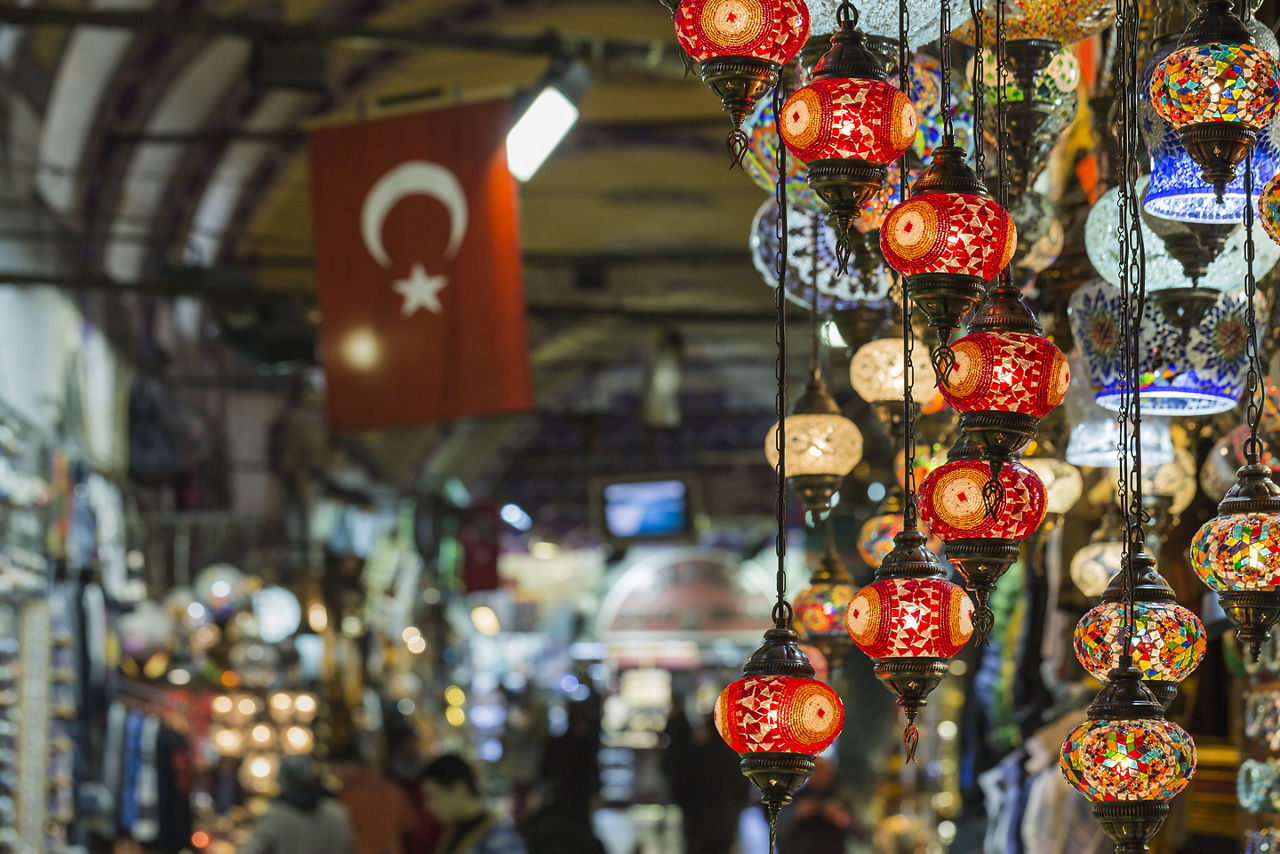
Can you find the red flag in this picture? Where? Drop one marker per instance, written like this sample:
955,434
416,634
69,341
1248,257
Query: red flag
418,268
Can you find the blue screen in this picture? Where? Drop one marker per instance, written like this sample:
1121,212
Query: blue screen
646,509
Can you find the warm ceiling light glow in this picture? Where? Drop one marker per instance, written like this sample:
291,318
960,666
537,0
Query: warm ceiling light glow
361,349
260,768
409,633
281,702
455,716
417,645
261,734
318,617
247,706
305,704
485,620
455,696
222,705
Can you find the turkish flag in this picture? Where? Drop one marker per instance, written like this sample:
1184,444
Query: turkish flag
418,269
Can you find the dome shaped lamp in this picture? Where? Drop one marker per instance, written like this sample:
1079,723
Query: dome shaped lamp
1218,90
740,47
1027,118
1169,642
777,717
1237,554
1127,760
875,372
982,545
948,240
822,446
821,607
910,621
848,124
1063,484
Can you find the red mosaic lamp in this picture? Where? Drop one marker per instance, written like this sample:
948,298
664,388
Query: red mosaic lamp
740,47
1218,90
1005,377
1168,640
911,621
948,240
848,124
981,545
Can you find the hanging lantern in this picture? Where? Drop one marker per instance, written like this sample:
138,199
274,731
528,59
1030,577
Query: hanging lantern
881,19
1237,554
1176,191
821,607
1093,567
1168,642
910,621
848,124
1218,90
948,240
1063,484
982,545
740,47
876,373
822,446
1128,761
1269,208
777,717
1063,22
1095,437
876,537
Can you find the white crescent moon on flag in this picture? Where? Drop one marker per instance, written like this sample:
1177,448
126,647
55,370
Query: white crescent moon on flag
417,177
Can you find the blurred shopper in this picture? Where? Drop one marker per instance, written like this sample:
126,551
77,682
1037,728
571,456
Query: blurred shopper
304,818
453,796
708,786
404,766
382,817
571,764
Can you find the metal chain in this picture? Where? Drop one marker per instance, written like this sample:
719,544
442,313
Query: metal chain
782,609
979,92
908,333
1257,399
1003,141
944,61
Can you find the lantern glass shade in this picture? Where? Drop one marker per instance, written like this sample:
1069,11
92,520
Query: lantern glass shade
811,262
817,444
876,372
779,714
881,19
910,618
1269,208
820,611
1198,372
1095,565
1063,484
1224,272
1095,439
1240,551
951,233
772,30
1167,647
1175,480
1007,372
1203,83
951,501
1040,235
1128,760
1068,21
1176,190
761,160
848,118
875,540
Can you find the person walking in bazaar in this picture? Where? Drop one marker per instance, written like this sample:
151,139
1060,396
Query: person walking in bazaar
453,796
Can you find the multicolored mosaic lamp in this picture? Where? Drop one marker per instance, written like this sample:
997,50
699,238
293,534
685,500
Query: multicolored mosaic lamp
1198,372
740,47
1218,90
821,606
1176,191
1127,760
911,621
1237,554
848,124
822,446
1169,640
948,240
1065,22
982,545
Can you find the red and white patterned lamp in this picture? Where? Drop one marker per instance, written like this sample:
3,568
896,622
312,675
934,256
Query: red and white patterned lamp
982,545
740,47
911,621
848,124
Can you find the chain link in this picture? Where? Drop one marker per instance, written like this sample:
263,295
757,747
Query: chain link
908,333
782,609
1257,399
979,92
944,60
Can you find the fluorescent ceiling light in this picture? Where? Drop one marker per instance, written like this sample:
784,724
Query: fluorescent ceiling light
538,132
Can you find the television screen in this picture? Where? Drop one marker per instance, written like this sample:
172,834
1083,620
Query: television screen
640,509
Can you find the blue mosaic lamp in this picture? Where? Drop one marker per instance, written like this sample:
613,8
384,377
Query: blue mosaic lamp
1177,191
811,262
1195,371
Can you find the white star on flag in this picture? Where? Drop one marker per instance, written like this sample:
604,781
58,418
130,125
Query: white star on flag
420,291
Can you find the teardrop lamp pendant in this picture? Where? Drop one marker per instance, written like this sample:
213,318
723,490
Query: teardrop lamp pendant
740,47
